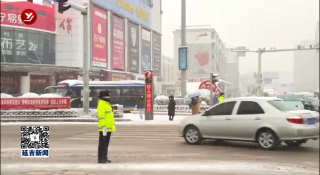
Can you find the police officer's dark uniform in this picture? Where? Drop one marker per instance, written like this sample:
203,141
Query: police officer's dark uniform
106,125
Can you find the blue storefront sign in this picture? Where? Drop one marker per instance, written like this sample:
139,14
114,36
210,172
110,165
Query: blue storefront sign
183,58
135,10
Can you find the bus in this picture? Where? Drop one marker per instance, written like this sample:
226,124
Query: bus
124,92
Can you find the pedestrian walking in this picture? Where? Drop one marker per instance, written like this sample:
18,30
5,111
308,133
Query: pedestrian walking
171,107
106,125
141,106
221,97
215,99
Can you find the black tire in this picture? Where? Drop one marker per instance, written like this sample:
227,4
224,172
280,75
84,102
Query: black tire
294,143
192,132
267,139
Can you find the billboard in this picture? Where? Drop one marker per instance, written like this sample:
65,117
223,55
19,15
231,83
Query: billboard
11,16
156,53
118,43
200,59
199,37
99,38
145,50
133,48
136,10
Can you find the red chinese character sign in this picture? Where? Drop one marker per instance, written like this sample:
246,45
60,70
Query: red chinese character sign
206,85
149,95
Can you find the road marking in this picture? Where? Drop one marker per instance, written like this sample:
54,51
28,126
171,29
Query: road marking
164,167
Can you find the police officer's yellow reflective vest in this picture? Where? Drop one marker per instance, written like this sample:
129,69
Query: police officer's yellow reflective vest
221,99
105,116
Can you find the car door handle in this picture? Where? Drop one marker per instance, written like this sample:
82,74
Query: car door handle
228,118
257,118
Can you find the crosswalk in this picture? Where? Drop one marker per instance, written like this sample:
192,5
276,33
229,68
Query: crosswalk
136,133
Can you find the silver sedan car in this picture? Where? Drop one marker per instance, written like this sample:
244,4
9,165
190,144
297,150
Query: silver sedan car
265,120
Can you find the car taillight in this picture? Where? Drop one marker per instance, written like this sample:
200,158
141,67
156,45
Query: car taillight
115,107
295,119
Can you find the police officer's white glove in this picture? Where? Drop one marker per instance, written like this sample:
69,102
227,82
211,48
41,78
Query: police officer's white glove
104,132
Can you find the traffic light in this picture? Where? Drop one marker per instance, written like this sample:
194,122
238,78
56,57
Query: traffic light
214,78
148,77
62,7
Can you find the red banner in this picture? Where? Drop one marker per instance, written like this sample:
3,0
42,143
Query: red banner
206,85
40,80
118,43
35,103
99,38
11,15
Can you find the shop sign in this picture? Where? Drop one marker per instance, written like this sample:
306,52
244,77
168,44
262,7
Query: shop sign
35,103
138,11
149,91
206,85
114,76
12,17
10,81
39,80
118,44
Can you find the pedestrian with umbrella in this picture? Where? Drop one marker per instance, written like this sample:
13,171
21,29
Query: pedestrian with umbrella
195,103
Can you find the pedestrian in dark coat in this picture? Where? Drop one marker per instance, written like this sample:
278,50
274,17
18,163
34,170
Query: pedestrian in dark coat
171,107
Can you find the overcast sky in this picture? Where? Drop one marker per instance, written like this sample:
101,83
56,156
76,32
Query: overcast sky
250,23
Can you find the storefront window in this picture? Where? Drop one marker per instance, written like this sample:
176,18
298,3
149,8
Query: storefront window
7,46
26,46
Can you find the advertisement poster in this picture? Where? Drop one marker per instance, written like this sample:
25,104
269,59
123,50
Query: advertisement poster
133,48
145,50
156,52
118,44
183,58
99,38
200,59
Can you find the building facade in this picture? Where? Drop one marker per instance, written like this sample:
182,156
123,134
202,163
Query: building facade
124,41
167,81
23,45
230,70
205,53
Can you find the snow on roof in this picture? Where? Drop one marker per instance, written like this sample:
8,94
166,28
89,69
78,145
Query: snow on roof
103,83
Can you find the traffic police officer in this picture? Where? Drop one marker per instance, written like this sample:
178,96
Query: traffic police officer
106,125
221,97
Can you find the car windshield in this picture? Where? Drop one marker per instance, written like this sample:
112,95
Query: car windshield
289,97
282,105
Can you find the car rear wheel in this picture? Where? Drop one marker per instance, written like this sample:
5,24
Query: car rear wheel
267,139
295,143
192,135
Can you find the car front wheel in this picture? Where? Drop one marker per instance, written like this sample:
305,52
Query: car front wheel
295,143
192,135
267,139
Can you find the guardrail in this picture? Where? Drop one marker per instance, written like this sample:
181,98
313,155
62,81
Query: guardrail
58,113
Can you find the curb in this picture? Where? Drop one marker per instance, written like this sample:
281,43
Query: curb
164,113
59,120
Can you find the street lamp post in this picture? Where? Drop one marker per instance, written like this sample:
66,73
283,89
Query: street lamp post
183,43
260,51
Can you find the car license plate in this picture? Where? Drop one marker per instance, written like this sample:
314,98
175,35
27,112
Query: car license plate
311,121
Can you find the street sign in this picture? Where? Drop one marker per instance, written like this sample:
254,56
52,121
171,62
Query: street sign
149,95
183,58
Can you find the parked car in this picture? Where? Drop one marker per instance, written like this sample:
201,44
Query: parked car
265,120
292,100
307,101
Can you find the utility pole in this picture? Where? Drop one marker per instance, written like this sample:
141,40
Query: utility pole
86,50
261,51
183,43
